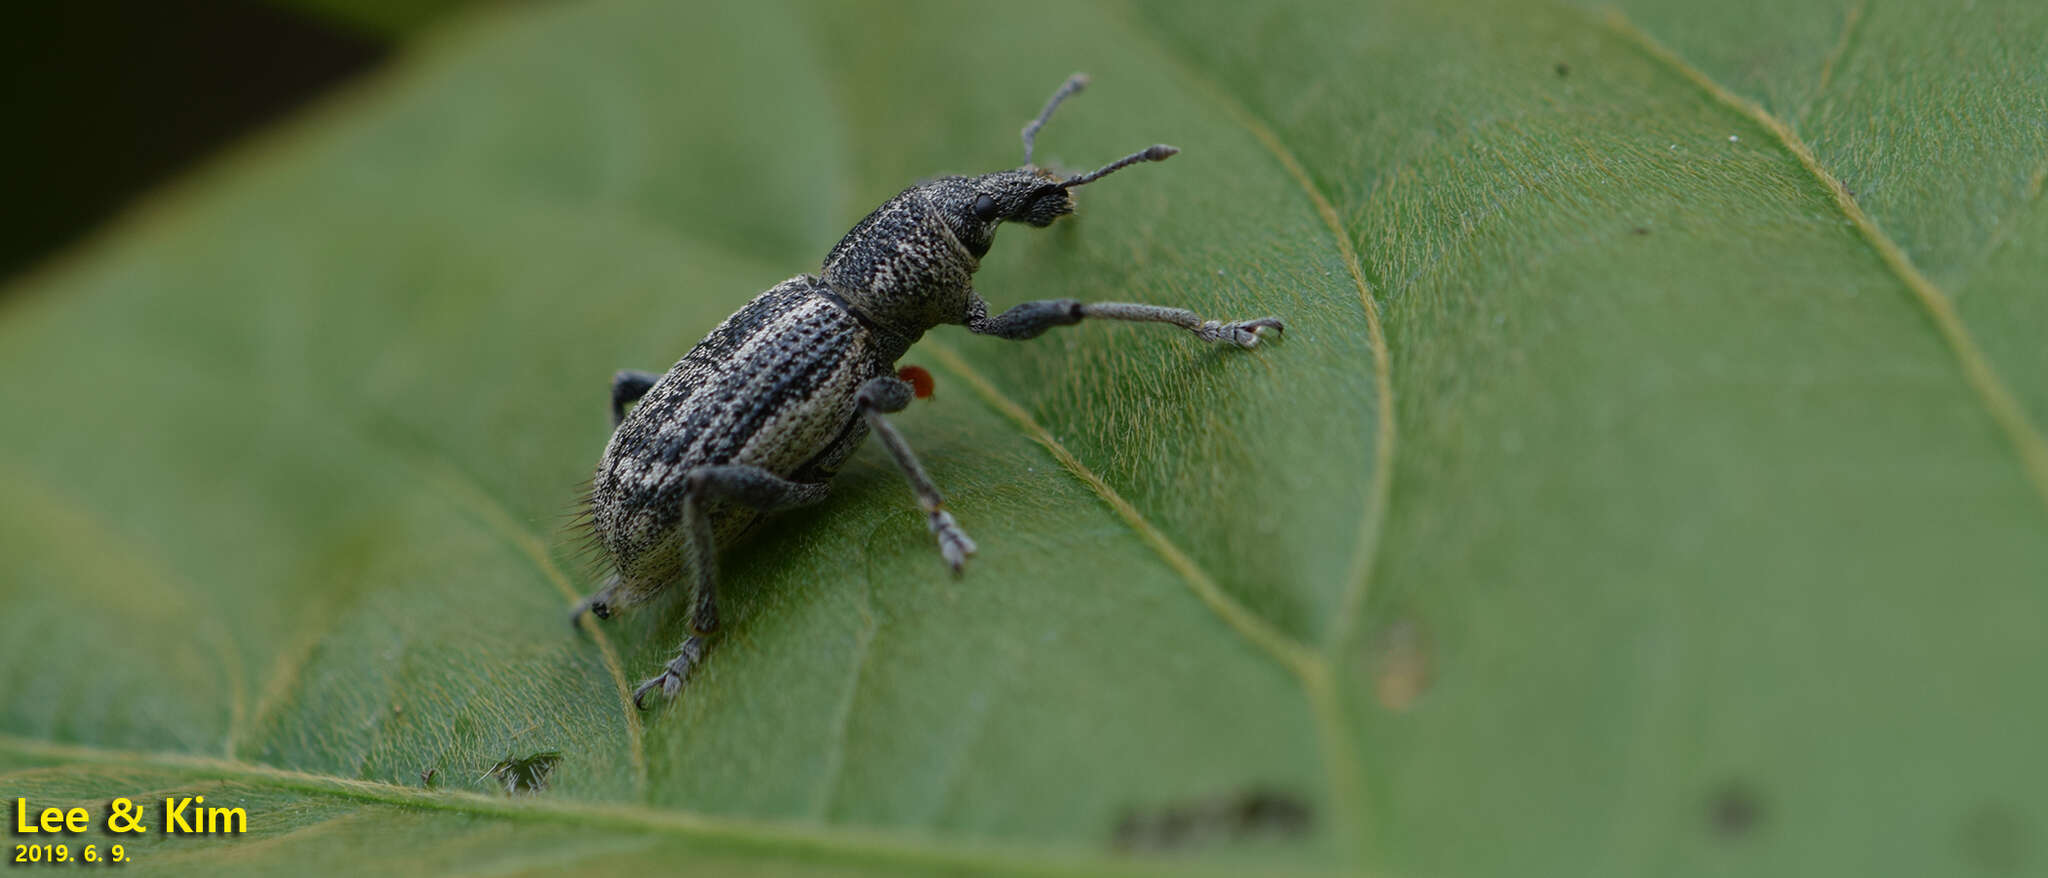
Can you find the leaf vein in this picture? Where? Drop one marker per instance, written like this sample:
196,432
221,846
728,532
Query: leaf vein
1289,652
780,837
1318,673
495,517
2025,438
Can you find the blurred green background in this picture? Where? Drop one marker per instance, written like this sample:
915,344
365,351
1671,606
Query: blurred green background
109,98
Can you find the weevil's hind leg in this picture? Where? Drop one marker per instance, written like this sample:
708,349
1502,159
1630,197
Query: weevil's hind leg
705,486
1031,319
628,385
670,680
887,394
599,603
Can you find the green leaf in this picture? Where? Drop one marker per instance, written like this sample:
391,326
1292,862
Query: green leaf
1651,480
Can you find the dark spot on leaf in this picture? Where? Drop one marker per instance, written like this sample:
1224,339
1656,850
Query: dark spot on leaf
428,777
1563,69
1639,231
1993,838
527,774
1263,810
1734,811
1241,816
1400,663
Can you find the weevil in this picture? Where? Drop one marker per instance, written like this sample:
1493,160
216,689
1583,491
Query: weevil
759,416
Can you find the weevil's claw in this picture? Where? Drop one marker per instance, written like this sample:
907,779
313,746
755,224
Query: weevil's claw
670,680
1244,333
954,545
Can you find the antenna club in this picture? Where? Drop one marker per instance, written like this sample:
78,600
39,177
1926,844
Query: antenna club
1160,152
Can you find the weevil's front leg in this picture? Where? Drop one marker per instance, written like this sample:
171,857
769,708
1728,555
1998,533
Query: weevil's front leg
628,385
1032,318
748,486
886,394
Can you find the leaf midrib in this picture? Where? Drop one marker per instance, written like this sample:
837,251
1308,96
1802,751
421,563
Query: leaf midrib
782,836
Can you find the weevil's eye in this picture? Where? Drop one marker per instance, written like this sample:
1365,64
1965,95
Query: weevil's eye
985,208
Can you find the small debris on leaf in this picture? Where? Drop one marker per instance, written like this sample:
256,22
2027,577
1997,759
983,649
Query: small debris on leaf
525,774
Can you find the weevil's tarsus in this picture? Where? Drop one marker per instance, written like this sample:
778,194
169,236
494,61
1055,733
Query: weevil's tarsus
1066,90
1157,152
670,680
954,545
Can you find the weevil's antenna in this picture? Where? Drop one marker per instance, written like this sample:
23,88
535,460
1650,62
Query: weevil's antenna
1157,152
1073,84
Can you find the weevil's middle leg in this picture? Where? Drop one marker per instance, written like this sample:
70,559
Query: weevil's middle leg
628,385
888,393
748,486
1033,318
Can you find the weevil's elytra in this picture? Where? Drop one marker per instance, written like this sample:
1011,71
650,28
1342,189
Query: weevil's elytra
760,415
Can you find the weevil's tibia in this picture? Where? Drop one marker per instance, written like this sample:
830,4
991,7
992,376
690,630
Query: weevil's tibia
1031,319
887,394
627,388
705,486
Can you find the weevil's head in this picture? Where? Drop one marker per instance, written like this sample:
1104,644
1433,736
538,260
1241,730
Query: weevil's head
972,207
909,264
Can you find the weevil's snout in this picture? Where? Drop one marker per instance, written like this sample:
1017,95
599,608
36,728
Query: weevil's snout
975,206
1043,204
1027,194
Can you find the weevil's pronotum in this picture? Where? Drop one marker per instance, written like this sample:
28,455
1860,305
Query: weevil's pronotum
760,414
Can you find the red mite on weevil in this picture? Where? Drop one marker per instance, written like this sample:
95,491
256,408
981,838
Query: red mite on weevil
920,381
759,416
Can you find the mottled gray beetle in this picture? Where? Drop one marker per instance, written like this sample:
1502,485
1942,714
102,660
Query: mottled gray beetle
760,414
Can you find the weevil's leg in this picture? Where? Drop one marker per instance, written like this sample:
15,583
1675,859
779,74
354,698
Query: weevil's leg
1032,318
885,394
670,680
748,486
628,386
599,603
